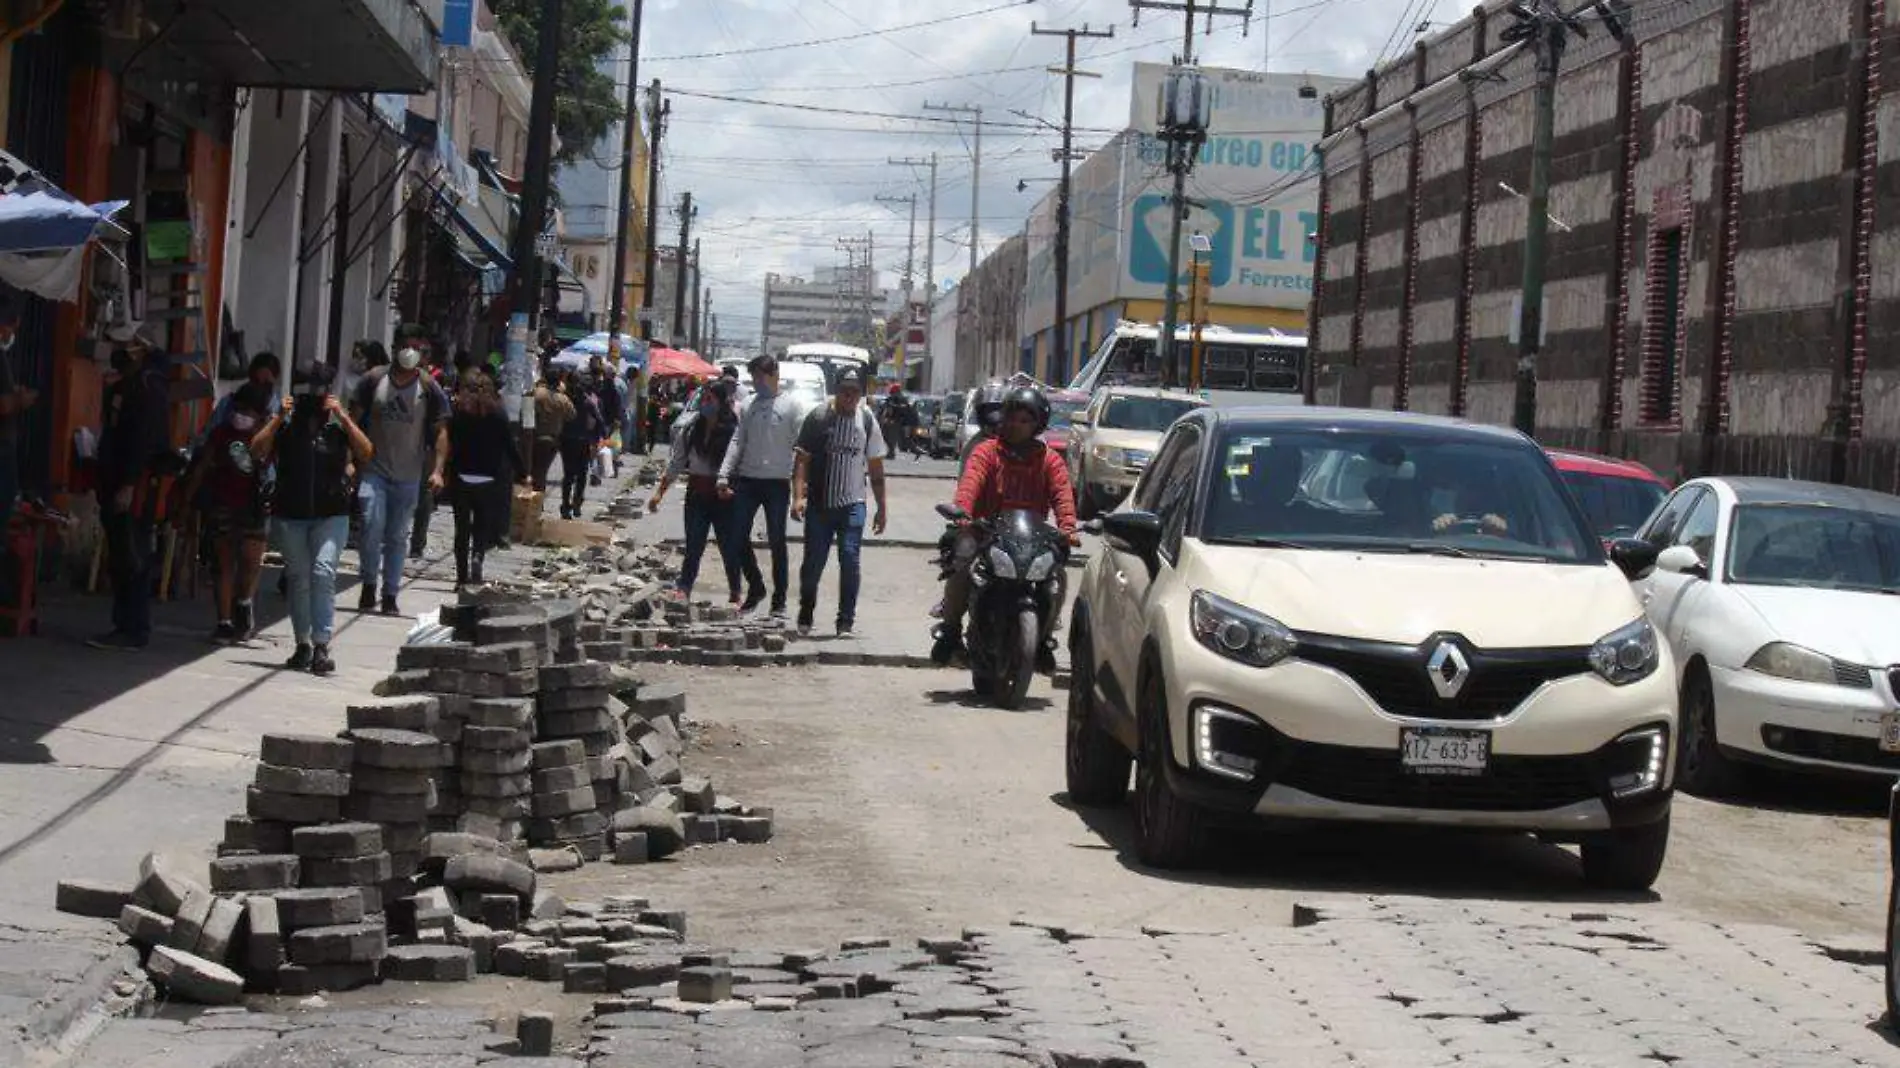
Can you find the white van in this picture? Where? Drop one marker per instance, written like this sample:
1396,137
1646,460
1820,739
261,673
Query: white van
804,381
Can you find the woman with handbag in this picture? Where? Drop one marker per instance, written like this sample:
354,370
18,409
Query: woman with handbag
699,445
483,462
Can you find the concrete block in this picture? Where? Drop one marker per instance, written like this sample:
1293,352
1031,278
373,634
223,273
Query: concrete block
546,905
606,796
319,907
429,964
665,770
696,795
381,748
351,943
485,684
478,785
601,743
391,781
415,712
665,833
584,977
291,808
565,858
220,930
513,713
307,751
258,836
511,958
548,964
189,924
501,630
587,706
143,926
504,658
438,848
564,828
263,935
751,830
570,777
705,985
386,808
501,808
192,978
589,675
85,897
261,872
661,701
503,739
534,1034
673,920
488,874
501,911
497,761
449,732
299,980
700,830
559,754
564,802
399,683
332,840
432,908
372,870
631,848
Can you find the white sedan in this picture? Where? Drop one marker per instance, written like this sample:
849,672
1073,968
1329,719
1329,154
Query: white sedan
1781,601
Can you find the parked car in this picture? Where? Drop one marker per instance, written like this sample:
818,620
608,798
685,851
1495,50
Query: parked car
1450,648
949,418
1779,601
1114,439
1618,496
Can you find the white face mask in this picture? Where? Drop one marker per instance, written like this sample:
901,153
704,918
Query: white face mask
243,422
408,359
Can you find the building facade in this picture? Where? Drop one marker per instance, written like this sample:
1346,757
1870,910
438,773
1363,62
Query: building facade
1723,286
591,219
835,304
989,310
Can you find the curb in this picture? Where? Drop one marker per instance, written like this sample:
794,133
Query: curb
57,1030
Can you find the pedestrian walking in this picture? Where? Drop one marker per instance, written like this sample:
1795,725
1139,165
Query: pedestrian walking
316,447
839,449
698,448
633,413
401,409
579,438
552,411
15,399
483,463
607,397
134,436
757,475
227,488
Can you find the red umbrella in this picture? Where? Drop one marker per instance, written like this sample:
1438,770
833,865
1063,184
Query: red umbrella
676,363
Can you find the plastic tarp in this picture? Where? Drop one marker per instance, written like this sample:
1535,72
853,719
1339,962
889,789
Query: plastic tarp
44,231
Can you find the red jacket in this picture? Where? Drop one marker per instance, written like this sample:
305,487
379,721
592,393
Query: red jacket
994,481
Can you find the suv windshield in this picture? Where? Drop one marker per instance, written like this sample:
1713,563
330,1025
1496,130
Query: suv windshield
1815,545
1061,413
1144,413
1615,506
1389,491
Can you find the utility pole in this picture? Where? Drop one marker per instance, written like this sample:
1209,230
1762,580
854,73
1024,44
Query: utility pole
976,175
1546,29
657,112
698,305
1059,362
1184,128
536,171
930,252
679,267
617,305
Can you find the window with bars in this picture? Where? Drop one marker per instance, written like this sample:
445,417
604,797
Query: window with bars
1663,327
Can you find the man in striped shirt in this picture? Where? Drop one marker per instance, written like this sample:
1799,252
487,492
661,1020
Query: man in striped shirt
839,448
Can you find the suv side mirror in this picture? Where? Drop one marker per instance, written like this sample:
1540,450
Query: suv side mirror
1134,532
1682,560
1634,556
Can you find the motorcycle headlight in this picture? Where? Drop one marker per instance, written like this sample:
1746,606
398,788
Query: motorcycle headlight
1785,660
1237,632
1041,567
1626,654
1000,563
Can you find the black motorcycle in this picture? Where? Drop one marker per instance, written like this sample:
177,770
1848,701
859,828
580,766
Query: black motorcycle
1014,581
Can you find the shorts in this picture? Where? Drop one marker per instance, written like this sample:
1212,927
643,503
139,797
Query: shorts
235,524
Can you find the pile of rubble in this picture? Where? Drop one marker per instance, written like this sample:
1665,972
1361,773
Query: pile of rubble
405,845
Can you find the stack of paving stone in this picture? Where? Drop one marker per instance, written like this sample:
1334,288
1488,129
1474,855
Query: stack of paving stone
583,743
393,786
300,780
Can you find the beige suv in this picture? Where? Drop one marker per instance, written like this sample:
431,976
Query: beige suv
1115,437
1438,639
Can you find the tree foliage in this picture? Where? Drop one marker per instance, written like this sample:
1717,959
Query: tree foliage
587,101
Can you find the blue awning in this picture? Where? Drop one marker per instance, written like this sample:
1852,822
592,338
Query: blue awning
490,246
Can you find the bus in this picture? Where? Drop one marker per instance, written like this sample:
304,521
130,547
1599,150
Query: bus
1238,368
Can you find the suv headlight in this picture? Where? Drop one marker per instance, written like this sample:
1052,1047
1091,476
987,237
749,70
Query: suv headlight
1001,564
1111,455
1041,567
1785,660
1626,654
1237,632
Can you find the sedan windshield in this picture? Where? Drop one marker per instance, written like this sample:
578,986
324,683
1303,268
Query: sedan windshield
1144,413
1615,506
1815,545
1393,492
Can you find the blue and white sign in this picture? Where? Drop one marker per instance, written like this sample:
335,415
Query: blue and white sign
458,23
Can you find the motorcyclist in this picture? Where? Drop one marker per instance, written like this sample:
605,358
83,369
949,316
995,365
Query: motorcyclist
1013,470
987,406
899,416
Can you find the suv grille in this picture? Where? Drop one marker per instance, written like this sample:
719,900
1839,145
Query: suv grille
1397,678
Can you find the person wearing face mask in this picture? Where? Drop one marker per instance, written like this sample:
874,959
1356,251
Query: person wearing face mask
226,485
135,435
757,474
264,371
15,399
401,409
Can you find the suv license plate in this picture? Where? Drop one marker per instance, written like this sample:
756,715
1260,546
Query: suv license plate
1890,733
1444,751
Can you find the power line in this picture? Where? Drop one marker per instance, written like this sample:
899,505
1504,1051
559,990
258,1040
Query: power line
842,38
868,114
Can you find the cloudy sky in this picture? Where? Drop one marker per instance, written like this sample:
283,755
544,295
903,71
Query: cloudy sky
779,185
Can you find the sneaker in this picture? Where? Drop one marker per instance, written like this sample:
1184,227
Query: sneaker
804,621
366,598
1046,659
753,599
299,660
320,662
119,641
778,610
847,630
243,621
224,633
388,606
948,644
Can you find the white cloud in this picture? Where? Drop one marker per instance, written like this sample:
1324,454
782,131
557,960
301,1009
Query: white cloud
776,187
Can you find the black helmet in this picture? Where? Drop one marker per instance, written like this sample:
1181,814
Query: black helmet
988,403
1030,399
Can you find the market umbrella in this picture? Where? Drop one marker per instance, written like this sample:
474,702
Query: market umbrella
633,352
44,231
675,363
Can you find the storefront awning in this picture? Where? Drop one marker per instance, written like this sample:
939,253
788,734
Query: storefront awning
370,46
477,234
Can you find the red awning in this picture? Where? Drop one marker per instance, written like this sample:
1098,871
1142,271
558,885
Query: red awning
676,363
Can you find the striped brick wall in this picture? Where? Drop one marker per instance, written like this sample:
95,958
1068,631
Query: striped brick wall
1880,397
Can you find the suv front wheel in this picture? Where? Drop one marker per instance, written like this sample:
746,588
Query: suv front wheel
1628,858
1170,830
1096,764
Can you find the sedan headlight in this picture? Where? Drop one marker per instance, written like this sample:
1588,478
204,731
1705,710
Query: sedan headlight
1785,660
1041,567
1000,563
1237,632
1626,654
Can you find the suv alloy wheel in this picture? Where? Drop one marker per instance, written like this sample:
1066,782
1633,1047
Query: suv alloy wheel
1170,831
1096,764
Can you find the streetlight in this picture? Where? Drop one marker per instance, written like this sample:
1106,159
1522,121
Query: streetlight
1200,291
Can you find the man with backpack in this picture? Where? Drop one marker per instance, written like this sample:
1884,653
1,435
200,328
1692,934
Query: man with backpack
400,409
839,448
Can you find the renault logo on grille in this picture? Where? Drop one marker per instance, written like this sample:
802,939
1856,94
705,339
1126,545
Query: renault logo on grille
1448,669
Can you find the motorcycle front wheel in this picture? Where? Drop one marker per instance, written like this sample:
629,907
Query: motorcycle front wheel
1020,658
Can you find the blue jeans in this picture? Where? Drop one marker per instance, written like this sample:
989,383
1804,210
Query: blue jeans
823,526
775,496
389,514
311,548
709,516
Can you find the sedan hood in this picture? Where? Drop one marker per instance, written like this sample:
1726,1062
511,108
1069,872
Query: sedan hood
1405,599
1863,628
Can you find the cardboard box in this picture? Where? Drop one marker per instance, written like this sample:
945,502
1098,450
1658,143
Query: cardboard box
524,521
